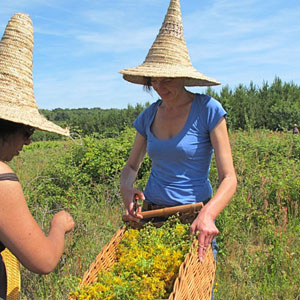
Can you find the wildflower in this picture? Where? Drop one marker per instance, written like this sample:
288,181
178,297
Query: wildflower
147,265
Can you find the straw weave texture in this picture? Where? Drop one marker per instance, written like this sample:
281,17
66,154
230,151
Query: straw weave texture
17,102
168,56
13,275
194,281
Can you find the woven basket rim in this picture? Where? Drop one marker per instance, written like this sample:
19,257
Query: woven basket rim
190,266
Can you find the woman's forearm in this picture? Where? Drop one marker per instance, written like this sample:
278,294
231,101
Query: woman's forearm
36,251
45,256
127,178
222,196
56,238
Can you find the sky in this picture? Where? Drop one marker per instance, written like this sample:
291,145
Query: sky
81,45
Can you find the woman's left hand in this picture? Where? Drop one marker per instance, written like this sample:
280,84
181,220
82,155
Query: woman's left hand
206,230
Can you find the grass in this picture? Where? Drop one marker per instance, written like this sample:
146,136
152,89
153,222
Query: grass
259,238
93,229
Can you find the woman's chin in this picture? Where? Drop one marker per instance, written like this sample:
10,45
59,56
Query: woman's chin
165,96
16,154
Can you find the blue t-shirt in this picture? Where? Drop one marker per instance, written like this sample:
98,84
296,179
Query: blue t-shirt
180,165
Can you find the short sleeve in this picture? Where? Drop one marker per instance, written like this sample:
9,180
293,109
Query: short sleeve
145,118
139,124
215,112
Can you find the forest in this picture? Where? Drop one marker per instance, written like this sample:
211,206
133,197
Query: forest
274,106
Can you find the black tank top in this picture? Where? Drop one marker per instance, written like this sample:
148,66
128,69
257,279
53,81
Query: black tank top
3,279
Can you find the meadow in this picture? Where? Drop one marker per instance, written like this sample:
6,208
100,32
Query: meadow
259,240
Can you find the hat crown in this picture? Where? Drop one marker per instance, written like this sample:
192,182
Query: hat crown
168,55
16,47
169,46
172,24
17,102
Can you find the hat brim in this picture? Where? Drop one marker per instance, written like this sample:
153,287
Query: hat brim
31,117
191,76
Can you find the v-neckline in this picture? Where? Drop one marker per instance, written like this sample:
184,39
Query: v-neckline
184,128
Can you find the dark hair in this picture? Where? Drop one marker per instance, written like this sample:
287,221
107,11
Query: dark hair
147,84
7,128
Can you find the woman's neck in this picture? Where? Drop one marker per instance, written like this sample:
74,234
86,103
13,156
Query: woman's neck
182,99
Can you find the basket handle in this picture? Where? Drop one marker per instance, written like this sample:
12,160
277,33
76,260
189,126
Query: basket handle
168,211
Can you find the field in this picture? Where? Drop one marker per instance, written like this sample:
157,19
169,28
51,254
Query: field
259,240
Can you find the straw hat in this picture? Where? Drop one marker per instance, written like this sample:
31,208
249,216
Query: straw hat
17,102
168,56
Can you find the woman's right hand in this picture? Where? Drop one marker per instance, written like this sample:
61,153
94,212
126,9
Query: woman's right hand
63,220
128,195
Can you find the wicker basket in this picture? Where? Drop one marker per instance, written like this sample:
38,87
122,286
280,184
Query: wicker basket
13,275
194,280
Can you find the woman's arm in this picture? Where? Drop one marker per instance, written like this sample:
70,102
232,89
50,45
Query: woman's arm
21,234
204,223
128,176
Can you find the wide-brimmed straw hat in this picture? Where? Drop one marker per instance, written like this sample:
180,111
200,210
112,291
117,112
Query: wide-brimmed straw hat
17,102
168,56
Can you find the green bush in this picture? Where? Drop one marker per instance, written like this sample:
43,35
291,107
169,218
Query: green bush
259,238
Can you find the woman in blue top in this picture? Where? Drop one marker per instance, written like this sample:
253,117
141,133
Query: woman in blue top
180,132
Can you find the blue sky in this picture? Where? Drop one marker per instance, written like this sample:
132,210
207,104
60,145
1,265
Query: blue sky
79,46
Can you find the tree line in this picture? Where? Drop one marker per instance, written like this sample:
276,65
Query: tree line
94,121
274,106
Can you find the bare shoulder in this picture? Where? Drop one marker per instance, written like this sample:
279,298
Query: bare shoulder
4,168
8,187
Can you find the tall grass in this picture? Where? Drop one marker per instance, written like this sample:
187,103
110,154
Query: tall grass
259,238
260,233
96,215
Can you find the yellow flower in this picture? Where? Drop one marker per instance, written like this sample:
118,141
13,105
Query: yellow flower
147,264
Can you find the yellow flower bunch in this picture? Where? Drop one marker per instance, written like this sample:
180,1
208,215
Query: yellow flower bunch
147,264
